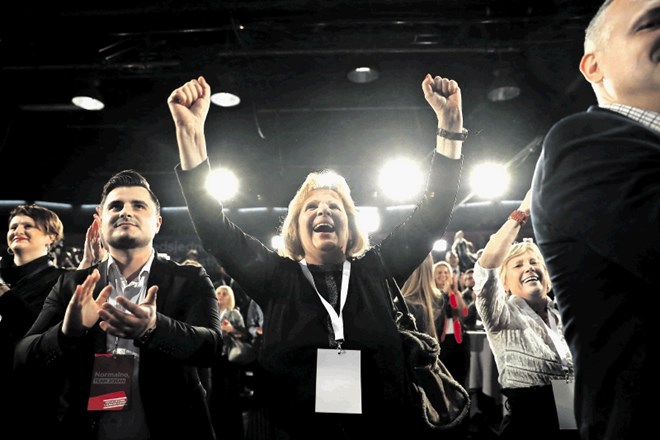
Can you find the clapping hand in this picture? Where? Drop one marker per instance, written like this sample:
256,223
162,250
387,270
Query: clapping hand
93,250
127,319
82,313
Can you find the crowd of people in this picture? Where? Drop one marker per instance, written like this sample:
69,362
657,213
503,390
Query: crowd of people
118,342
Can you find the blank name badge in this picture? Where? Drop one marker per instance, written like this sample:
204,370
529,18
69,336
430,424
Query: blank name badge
338,386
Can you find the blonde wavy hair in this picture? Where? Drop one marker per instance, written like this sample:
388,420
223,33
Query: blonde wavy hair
420,289
518,249
289,232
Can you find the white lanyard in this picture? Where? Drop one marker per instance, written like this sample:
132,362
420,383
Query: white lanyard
336,320
562,349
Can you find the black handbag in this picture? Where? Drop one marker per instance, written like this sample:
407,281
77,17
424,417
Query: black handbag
439,402
241,352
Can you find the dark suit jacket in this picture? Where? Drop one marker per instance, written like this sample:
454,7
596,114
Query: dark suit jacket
596,217
187,336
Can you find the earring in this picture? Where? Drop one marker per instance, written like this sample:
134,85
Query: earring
9,251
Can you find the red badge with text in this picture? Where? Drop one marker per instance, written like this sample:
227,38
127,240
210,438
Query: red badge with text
111,382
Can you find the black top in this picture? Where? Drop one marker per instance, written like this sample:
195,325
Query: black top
295,321
25,394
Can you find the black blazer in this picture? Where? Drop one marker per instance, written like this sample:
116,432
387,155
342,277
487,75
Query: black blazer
596,218
187,336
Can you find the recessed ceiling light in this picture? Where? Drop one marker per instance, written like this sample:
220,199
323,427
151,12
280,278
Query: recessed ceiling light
88,103
225,99
362,74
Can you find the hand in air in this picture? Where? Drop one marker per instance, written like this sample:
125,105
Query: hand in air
189,104
444,96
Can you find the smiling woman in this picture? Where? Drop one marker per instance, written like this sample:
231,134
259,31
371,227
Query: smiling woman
524,330
28,274
332,356
322,217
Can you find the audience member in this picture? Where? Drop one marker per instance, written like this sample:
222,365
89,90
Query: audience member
422,297
27,274
225,403
595,211
524,330
464,251
241,298
255,323
108,321
426,303
468,286
258,426
312,312
192,255
472,320
454,342
452,259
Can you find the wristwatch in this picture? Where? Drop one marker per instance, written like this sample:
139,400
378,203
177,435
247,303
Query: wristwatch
453,135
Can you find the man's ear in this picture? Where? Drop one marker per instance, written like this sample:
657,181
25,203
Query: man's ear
590,68
159,223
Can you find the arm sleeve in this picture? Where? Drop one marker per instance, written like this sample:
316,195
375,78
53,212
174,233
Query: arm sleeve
602,188
411,241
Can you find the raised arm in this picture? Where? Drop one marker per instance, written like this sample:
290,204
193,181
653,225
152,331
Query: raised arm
500,241
444,96
189,106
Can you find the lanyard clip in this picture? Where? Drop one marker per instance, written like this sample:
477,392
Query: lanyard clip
339,349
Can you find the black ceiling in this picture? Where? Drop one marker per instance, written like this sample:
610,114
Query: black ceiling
288,61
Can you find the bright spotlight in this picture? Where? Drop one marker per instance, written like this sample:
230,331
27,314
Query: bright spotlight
440,245
490,180
368,218
277,242
401,179
222,184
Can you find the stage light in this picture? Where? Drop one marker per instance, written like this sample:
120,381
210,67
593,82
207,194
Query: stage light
222,184
401,179
489,180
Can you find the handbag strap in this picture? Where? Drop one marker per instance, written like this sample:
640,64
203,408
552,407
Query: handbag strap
404,317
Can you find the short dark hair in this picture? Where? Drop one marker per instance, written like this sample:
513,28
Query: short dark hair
594,33
128,178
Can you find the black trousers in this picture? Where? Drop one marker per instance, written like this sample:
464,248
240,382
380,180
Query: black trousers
532,414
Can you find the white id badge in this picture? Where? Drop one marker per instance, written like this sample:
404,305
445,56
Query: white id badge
338,386
564,391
